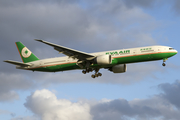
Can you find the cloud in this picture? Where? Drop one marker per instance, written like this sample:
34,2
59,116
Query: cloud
44,20
162,106
11,82
69,24
120,109
26,118
176,6
150,4
170,92
117,25
139,3
151,108
45,104
8,96
4,112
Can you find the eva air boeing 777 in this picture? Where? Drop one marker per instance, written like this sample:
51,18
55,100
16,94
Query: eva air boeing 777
114,60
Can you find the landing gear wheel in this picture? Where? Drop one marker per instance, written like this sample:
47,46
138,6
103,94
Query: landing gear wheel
163,64
93,76
84,72
164,60
99,74
96,75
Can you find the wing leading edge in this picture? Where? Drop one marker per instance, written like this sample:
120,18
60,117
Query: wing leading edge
69,52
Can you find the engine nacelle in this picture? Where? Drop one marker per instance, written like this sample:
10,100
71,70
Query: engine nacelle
119,68
103,60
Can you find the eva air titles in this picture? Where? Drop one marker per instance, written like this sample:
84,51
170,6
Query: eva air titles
118,52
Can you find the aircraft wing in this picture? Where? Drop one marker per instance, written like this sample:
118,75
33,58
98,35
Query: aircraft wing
69,52
17,63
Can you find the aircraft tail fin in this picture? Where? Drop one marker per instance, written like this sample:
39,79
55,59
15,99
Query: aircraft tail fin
25,53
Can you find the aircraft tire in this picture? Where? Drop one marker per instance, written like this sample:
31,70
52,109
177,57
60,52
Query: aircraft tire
84,72
99,74
164,64
93,76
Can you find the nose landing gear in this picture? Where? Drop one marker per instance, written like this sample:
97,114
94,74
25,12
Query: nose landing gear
164,60
164,64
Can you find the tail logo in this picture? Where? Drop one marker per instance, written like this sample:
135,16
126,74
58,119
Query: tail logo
25,52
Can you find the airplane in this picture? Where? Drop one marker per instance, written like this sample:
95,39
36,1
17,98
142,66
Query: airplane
114,60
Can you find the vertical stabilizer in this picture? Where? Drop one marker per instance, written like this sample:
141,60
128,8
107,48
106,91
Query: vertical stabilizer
25,53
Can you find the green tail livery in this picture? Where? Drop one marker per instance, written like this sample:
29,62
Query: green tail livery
25,53
114,60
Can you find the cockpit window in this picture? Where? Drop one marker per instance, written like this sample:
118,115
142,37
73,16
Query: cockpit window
171,48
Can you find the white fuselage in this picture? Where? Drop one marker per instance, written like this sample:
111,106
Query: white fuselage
113,53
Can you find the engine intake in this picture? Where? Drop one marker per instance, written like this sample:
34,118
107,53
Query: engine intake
119,68
103,60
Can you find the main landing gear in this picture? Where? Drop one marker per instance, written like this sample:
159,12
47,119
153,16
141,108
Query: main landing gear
97,74
164,60
87,70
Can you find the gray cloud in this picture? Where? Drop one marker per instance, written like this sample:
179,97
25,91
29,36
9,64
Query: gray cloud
150,4
4,112
55,22
176,6
170,92
121,108
51,21
162,106
8,96
139,3
9,83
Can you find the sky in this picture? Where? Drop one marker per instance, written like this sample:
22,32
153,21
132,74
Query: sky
146,91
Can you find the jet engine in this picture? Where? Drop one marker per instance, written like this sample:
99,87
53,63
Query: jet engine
118,68
103,60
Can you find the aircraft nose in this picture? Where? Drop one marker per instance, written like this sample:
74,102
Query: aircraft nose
176,51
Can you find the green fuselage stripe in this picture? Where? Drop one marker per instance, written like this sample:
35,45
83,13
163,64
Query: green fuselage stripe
116,60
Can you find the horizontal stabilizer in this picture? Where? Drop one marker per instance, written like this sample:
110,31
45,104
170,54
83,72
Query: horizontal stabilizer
17,63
